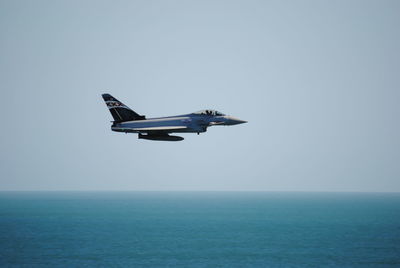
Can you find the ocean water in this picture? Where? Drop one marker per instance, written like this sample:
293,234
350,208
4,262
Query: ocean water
199,229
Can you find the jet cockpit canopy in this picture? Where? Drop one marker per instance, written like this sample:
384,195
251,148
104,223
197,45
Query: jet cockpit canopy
209,112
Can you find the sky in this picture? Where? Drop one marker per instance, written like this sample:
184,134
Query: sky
318,81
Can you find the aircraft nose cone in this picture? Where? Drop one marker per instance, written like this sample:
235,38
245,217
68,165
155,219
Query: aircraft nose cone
235,121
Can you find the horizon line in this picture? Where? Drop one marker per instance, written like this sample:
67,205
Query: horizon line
237,191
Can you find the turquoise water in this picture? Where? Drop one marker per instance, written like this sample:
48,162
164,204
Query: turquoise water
199,229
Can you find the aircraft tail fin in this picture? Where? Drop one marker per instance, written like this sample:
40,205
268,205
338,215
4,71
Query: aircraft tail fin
119,111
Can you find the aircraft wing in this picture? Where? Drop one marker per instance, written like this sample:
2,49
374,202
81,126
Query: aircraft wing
164,128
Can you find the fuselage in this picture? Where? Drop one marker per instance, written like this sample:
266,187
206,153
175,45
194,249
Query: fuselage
194,123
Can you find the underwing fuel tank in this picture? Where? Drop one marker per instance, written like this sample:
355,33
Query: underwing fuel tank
160,137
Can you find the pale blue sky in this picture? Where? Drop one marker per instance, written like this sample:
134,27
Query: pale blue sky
318,81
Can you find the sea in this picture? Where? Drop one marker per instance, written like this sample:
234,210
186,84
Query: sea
199,229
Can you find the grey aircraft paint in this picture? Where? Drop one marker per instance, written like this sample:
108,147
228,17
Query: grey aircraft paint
128,121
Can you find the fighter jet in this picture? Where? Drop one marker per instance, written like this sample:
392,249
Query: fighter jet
128,121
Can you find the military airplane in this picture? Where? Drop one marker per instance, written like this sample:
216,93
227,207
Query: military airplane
128,121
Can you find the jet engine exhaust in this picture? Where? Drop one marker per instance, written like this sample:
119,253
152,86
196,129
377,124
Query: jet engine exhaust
160,137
